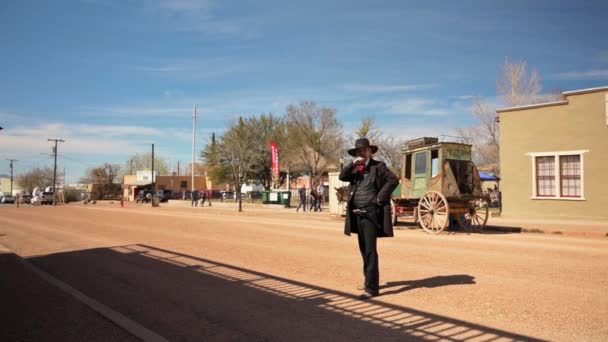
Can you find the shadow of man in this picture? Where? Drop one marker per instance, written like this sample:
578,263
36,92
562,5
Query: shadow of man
407,285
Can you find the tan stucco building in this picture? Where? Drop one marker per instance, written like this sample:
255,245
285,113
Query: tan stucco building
554,158
131,186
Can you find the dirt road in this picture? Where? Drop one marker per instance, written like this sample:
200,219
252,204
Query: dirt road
213,274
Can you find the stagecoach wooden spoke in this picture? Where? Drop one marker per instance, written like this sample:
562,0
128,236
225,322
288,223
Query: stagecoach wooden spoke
476,217
433,209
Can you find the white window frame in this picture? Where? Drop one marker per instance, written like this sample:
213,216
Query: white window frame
558,193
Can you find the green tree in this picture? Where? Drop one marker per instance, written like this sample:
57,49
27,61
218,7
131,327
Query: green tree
235,154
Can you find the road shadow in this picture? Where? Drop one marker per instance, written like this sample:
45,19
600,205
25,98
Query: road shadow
407,285
186,298
455,228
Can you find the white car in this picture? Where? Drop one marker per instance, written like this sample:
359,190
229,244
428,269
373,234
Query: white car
7,199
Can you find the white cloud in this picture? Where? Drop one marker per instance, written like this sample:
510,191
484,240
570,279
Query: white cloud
196,70
379,88
592,75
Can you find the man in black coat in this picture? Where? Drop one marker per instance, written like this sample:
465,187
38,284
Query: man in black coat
369,208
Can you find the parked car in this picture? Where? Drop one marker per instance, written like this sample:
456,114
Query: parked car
7,199
26,199
47,197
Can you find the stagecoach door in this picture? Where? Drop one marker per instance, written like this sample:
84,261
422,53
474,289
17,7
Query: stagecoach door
421,173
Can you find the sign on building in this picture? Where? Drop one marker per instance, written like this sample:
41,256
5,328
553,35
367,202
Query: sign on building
145,176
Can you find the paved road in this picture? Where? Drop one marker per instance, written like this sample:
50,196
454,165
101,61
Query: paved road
213,274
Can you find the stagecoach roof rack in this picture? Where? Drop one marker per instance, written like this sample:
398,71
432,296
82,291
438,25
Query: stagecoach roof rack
426,141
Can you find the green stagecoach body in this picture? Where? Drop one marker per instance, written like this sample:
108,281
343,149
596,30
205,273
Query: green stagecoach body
445,167
436,176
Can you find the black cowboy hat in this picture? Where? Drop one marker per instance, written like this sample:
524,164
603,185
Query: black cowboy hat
361,143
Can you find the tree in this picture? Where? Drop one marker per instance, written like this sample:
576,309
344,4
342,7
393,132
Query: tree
266,129
143,162
235,154
37,177
315,138
484,136
517,86
389,148
104,179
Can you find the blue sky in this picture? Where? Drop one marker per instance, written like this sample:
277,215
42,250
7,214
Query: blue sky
112,77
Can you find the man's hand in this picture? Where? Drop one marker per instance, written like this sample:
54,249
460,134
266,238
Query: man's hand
358,161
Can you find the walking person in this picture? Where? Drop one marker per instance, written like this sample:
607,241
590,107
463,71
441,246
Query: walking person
313,200
203,197
368,209
194,198
321,196
302,195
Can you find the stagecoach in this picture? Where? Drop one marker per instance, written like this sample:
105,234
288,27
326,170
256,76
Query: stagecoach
440,185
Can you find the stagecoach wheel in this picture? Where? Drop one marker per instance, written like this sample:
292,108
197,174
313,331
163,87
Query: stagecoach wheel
476,218
393,212
433,212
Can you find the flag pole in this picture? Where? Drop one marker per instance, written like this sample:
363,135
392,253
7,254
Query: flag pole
193,144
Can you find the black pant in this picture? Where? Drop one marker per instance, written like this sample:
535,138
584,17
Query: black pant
368,246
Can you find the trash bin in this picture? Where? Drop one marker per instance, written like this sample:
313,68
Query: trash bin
155,201
286,198
274,197
265,197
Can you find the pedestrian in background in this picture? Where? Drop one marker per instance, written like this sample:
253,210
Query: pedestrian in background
321,193
194,198
302,195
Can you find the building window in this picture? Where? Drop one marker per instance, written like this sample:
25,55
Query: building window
558,175
183,184
570,175
545,176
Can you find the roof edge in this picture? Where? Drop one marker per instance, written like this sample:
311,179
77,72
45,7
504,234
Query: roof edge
537,105
585,91
555,103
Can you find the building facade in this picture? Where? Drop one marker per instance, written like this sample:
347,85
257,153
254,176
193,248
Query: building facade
554,158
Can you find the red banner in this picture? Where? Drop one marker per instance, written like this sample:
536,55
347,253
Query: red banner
274,150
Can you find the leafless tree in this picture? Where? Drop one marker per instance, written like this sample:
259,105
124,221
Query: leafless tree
143,162
485,135
105,181
516,86
389,148
37,177
315,138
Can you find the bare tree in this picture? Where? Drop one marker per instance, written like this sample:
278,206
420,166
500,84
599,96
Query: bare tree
105,181
389,148
315,138
516,86
485,135
143,162
37,177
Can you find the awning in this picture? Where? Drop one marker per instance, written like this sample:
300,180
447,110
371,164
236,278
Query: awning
488,177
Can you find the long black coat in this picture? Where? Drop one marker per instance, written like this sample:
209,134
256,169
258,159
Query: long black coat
385,182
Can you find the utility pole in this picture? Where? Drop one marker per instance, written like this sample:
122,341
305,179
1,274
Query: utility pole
193,144
131,172
55,170
153,179
178,167
12,160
